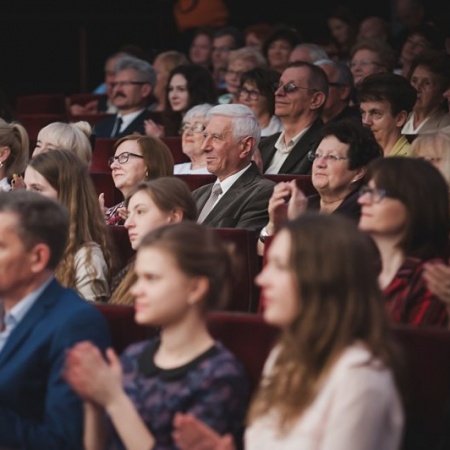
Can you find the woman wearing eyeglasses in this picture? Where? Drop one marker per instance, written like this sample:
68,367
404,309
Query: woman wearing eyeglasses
194,123
136,158
339,165
256,92
405,209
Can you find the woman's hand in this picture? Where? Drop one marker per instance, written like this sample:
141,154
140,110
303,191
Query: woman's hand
101,201
437,277
153,129
91,377
17,182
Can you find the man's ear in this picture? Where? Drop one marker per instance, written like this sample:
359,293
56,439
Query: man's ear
317,100
39,257
246,144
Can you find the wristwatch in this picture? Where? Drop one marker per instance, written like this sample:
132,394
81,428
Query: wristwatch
263,235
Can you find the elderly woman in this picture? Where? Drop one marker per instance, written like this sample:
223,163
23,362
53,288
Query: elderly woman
339,165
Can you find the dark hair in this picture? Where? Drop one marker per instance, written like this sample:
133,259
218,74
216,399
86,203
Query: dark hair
390,87
437,62
424,192
40,220
230,30
432,33
199,252
363,147
284,32
264,78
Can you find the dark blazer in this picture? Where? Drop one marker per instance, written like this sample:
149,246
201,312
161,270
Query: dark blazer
38,410
297,161
244,205
104,127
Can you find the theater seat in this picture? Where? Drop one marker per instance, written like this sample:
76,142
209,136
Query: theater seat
174,143
102,151
47,103
103,182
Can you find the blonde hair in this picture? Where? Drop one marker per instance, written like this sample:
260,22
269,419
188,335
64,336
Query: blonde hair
15,137
73,136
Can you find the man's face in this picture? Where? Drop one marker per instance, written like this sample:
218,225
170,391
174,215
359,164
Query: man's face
129,91
221,48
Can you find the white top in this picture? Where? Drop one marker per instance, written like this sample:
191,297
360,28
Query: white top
4,185
358,408
274,126
94,275
185,168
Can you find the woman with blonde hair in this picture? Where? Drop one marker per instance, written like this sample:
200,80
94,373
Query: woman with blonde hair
75,137
88,261
14,153
331,380
150,205
136,158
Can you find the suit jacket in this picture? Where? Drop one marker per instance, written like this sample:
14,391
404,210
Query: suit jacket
297,161
244,205
104,127
38,410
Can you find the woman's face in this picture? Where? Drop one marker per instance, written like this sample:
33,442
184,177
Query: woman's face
234,72
382,216
36,182
278,54
277,283
143,216
339,30
43,144
250,96
200,50
130,173
414,45
178,93
365,62
162,76
192,136
429,90
163,293
330,172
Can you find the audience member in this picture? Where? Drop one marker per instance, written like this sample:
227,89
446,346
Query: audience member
430,77
225,39
183,271
192,128
278,46
339,166
256,92
240,195
332,380
300,97
88,262
307,51
239,61
385,101
341,90
256,33
76,137
188,85
136,158
133,84
151,204
38,410
14,153
201,47
374,27
370,56
405,209
163,64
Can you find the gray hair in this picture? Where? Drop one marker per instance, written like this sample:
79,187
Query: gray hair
144,68
244,121
343,72
200,110
316,52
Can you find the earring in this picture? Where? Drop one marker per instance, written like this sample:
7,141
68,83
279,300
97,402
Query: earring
1,164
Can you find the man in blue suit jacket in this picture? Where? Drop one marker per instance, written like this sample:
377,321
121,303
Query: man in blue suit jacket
40,320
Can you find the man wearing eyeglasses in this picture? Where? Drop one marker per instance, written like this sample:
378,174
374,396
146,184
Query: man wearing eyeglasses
300,97
132,86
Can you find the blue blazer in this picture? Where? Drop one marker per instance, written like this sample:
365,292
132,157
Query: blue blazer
104,127
38,410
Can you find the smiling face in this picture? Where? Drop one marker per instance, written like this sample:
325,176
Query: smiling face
277,283
127,175
162,290
365,62
252,97
34,181
178,93
127,94
192,138
234,72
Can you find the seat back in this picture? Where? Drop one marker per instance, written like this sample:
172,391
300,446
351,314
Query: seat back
102,151
103,183
174,144
92,119
52,103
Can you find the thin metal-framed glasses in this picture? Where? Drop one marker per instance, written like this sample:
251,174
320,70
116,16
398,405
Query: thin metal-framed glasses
251,94
123,158
332,158
288,88
196,127
375,195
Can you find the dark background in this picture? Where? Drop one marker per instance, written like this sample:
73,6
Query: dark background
56,47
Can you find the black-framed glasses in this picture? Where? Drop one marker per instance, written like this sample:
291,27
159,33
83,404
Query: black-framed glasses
375,195
196,127
127,83
332,158
251,94
123,158
288,88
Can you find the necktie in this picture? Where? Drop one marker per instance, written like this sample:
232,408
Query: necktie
116,129
216,191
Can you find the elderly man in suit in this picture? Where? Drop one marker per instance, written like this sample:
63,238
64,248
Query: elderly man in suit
40,320
300,97
240,195
133,83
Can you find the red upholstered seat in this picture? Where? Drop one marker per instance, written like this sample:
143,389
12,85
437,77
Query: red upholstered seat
92,119
174,143
102,151
51,103
103,182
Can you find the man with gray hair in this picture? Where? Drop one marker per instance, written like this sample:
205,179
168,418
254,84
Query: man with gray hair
133,84
240,195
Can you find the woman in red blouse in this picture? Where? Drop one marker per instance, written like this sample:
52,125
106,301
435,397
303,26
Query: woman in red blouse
404,207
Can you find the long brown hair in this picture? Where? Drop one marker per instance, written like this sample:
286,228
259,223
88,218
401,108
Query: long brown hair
338,303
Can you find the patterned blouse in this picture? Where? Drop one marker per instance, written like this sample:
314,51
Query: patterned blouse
112,216
213,387
408,299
